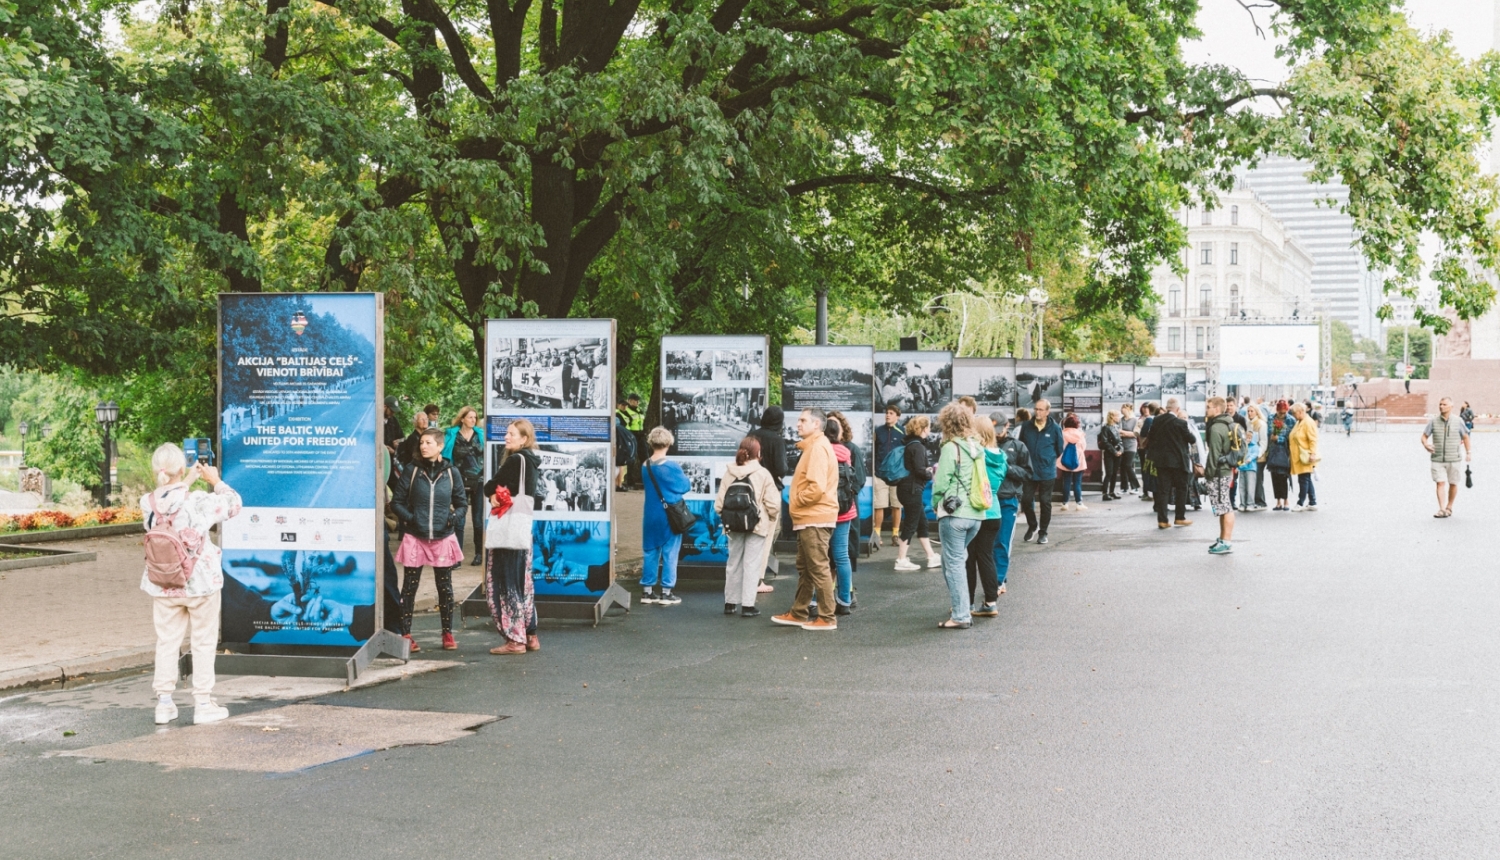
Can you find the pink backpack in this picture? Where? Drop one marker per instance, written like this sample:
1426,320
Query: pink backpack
170,555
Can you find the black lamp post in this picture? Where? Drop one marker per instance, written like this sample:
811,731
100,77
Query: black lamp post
24,427
106,413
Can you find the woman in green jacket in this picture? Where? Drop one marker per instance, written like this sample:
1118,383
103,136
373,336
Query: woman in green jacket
958,520
980,566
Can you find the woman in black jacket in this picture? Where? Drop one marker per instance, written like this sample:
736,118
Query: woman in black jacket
508,575
909,494
772,438
429,501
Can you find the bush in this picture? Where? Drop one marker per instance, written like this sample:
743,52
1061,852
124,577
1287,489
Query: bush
45,520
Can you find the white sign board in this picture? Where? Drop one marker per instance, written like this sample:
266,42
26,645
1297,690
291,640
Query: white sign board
1268,354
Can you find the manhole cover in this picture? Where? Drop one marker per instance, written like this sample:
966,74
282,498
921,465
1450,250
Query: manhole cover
287,738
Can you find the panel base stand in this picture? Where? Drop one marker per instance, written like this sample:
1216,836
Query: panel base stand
349,664
477,605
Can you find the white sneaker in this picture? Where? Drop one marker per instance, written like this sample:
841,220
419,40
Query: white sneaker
1298,509
934,561
209,712
905,564
1081,507
1067,506
166,710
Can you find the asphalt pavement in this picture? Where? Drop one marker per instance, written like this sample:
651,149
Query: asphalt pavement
1329,690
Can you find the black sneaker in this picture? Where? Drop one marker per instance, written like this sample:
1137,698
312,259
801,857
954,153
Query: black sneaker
748,612
841,609
649,596
1030,533
730,608
1041,538
667,598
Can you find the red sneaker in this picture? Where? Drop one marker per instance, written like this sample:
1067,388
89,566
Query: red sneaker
414,647
448,643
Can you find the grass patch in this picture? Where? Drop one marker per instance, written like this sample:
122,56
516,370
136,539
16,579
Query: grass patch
13,554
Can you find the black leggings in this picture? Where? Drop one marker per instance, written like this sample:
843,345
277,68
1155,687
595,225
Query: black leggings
980,563
413,578
1127,471
1111,471
913,514
1279,481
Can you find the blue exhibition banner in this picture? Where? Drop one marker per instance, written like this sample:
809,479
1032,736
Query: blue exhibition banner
299,390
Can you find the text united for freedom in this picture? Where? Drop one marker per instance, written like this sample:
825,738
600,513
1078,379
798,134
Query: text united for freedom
299,365
294,435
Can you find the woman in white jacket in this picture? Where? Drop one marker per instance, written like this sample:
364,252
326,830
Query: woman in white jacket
192,514
747,549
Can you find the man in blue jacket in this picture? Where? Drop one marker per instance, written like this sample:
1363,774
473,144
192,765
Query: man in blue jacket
1043,439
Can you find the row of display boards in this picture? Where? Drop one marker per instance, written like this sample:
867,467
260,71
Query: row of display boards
300,398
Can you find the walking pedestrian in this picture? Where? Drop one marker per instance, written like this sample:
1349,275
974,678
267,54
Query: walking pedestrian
666,484
1111,450
1442,437
508,576
1467,415
1226,446
178,520
1044,441
953,497
430,501
889,439
1017,473
1071,463
1278,453
848,501
1128,441
463,446
814,510
909,493
1302,444
747,487
1249,471
1170,440
979,564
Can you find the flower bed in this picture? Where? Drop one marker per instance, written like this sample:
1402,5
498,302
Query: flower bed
48,520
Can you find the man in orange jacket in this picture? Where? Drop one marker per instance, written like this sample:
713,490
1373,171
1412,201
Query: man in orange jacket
814,506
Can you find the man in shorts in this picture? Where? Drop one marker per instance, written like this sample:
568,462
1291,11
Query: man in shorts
1225,445
1442,438
888,437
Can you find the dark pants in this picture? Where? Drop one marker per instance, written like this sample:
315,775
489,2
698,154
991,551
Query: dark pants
980,564
1148,478
1111,471
1040,492
1279,485
1260,484
391,586
913,515
1174,483
476,517
444,578
1127,471
633,474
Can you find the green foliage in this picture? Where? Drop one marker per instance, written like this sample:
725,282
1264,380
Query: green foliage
73,447
1420,355
1345,345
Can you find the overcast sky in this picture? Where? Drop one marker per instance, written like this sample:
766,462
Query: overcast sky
1229,36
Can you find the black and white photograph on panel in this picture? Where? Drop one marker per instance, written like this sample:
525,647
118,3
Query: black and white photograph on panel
920,383
689,365
990,381
827,378
1147,385
1119,382
700,476
710,421
1197,385
573,476
1174,384
549,373
739,365
1082,384
1039,380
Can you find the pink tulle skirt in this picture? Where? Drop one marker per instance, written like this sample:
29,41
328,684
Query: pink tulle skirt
443,552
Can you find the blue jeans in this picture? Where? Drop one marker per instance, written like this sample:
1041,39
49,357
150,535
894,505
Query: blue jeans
1306,495
955,534
663,558
1072,482
1008,510
843,571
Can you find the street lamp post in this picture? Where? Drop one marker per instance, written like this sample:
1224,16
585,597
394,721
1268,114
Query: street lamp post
106,413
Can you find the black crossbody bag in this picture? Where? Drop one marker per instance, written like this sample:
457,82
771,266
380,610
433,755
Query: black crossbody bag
679,518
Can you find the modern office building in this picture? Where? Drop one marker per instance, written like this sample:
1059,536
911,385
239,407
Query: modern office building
1341,281
1243,266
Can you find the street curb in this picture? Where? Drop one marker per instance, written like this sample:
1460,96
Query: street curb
30,676
95,664
52,557
48,535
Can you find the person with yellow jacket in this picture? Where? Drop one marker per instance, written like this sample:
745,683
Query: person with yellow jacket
813,503
1303,443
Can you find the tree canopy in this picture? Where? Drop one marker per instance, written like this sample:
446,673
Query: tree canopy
679,165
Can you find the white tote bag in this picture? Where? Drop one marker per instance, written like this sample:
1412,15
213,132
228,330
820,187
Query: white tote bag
513,530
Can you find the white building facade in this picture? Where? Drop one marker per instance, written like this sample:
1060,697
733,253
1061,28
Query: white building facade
1242,266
